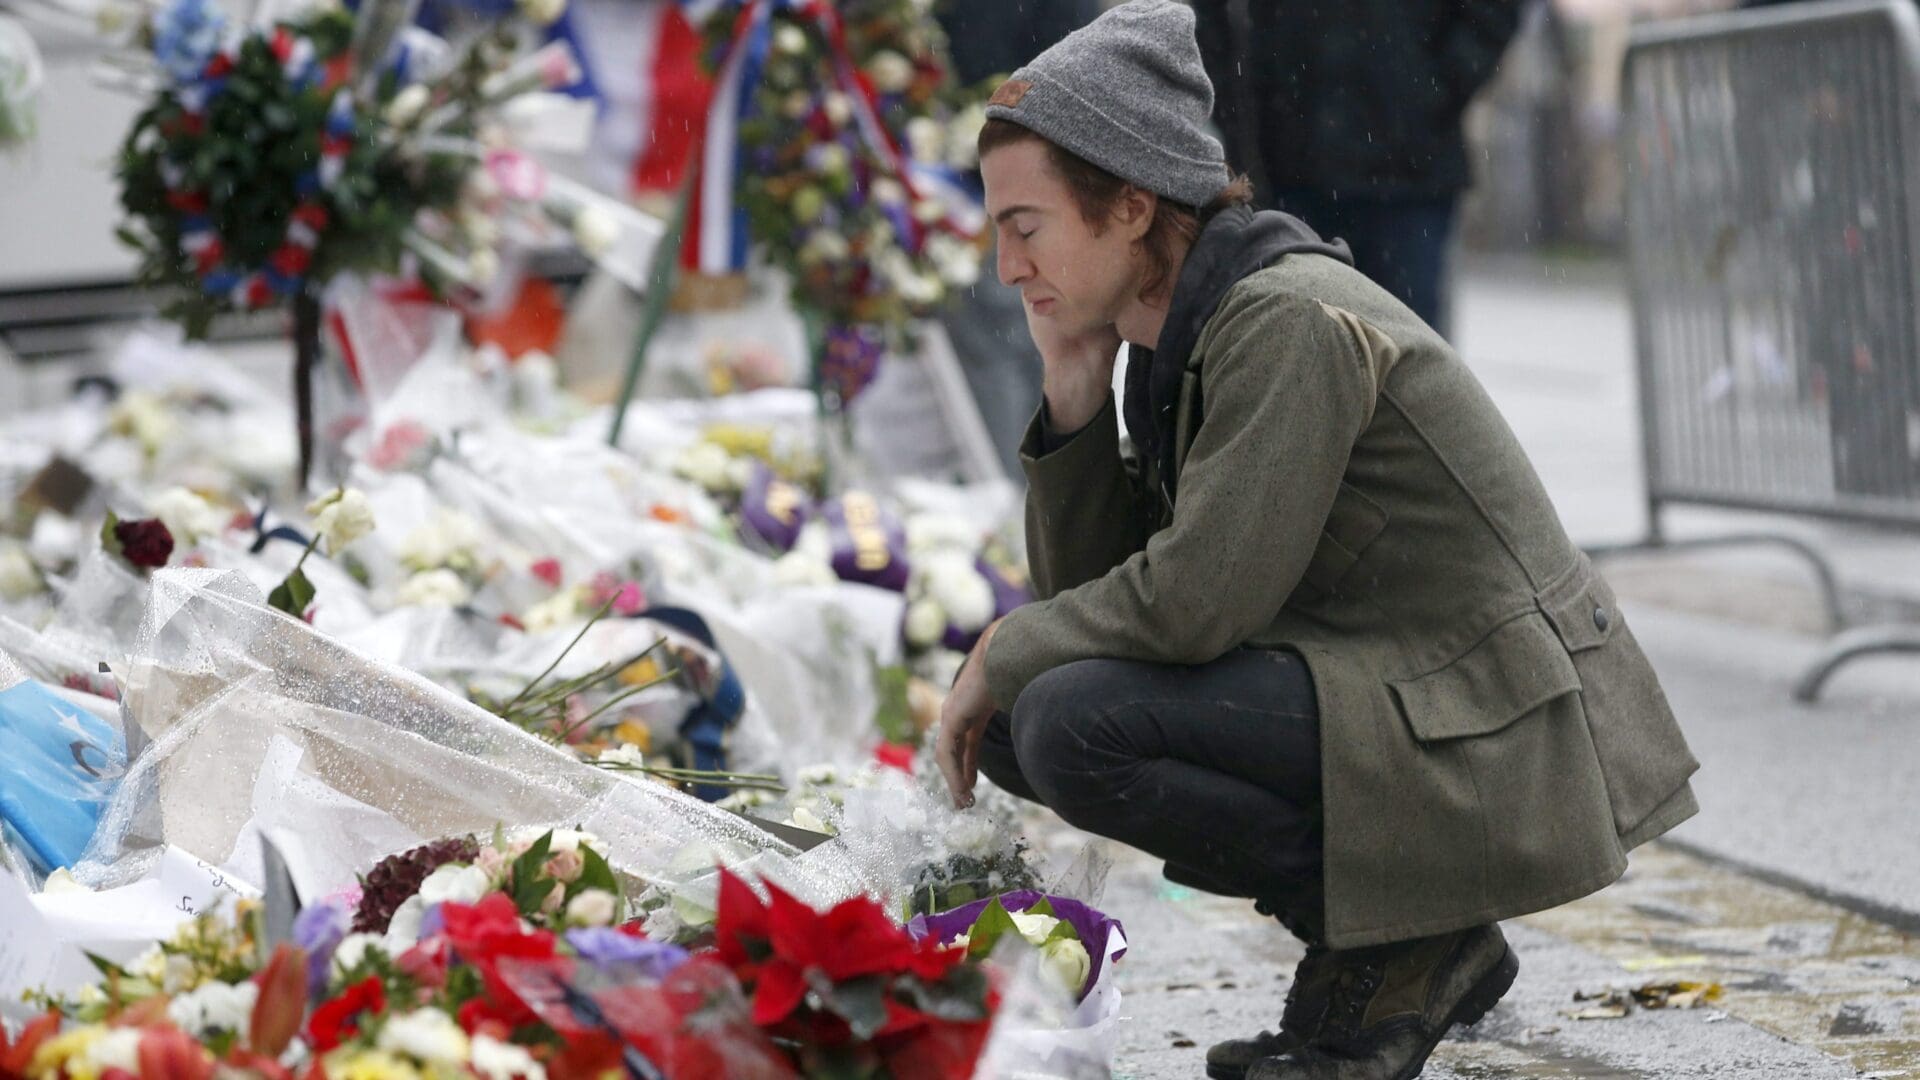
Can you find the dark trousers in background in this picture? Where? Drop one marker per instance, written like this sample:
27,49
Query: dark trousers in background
1214,768
1402,244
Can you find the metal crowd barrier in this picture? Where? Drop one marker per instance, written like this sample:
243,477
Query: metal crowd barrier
1773,235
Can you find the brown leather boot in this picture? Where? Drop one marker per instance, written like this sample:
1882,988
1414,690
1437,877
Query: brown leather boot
1390,1006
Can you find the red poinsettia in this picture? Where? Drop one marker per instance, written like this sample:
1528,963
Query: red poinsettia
877,990
338,1020
483,934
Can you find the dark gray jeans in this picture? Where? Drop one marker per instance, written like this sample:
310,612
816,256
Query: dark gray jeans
1214,768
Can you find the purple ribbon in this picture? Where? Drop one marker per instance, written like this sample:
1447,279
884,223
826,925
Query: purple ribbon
1092,926
869,545
773,509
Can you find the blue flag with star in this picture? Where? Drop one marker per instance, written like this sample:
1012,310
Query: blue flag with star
59,766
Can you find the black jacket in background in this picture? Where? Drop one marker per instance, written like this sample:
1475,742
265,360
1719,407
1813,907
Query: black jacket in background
1354,97
995,37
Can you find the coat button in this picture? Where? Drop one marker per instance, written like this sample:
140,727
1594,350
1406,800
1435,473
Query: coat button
1600,619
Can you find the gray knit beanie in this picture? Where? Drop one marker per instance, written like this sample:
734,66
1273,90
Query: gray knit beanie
1126,92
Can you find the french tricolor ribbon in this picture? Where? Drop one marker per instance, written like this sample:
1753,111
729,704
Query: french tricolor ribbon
716,232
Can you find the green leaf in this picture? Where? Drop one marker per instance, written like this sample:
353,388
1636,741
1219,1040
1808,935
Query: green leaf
861,1002
107,967
529,884
993,922
959,997
292,595
108,541
597,875
1042,906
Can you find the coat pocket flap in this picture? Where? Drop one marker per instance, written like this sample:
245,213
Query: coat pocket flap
1580,606
1515,669
1353,524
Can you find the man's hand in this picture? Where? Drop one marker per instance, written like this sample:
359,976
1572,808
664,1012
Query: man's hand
963,722
1077,370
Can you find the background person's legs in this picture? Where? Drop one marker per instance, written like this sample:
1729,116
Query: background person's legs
1214,768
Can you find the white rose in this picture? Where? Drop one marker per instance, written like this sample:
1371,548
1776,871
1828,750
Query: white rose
929,211
798,569
408,104
434,588
804,818
1033,927
1067,961
426,1035
341,517
625,755
18,576
790,39
456,884
186,515
593,907
891,73
963,138
925,139
971,834
149,966
824,245
704,463
143,417
119,1048
927,533
497,1060
889,192
403,931
543,12
926,623
482,266
557,610
353,949
830,158
448,540
217,1006
838,108
595,230
957,260
960,589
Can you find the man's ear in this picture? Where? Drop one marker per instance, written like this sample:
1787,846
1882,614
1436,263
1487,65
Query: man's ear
1133,212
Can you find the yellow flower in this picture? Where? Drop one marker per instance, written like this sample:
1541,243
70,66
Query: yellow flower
67,1053
641,672
371,1065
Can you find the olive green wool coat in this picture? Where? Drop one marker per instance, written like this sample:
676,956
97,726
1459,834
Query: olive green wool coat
1493,740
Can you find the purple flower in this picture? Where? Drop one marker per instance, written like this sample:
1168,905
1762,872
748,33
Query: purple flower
612,952
318,930
1092,926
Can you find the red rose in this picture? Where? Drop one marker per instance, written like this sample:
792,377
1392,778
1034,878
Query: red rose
338,1020
144,543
